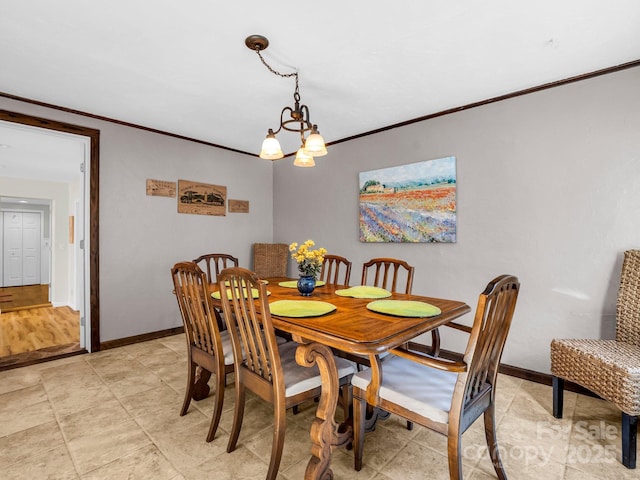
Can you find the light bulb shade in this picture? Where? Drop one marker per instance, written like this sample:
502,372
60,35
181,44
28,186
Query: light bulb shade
303,160
271,149
314,145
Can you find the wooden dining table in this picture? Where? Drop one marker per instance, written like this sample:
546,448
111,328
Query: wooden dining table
354,329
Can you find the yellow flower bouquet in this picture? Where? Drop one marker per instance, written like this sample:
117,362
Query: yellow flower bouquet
309,261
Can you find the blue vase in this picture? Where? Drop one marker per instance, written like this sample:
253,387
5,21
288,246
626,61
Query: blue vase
306,284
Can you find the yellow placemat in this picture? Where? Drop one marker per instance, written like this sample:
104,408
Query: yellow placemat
294,283
254,293
300,308
404,308
364,291
228,283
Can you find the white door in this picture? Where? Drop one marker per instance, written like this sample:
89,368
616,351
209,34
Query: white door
21,251
12,253
31,251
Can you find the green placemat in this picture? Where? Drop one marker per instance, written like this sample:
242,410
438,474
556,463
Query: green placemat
404,308
294,283
300,308
254,293
364,291
228,283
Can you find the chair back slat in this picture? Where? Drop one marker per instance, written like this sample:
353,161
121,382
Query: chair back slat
489,334
386,268
331,268
214,263
194,301
250,327
628,304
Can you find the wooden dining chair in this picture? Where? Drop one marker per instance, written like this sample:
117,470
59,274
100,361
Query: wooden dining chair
267,369
332,266
445,396
270,259
207,346
214,263
609,368
396,276
388,273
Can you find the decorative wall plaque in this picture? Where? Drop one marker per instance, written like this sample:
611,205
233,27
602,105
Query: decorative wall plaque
201,198
161,188
238,206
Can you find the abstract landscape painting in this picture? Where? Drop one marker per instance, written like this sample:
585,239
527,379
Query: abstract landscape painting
409,203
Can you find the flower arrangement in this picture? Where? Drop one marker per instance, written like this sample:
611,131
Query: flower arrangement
309,261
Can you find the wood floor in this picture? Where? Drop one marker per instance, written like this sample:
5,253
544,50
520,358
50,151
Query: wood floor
35,329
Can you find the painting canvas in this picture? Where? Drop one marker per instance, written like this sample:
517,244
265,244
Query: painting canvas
409,203
201,198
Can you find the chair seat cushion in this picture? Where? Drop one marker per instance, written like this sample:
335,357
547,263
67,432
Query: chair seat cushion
299,379
227,347
421,389
606,367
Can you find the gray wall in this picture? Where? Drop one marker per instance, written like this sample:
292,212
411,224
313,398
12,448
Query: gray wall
548,190
141,236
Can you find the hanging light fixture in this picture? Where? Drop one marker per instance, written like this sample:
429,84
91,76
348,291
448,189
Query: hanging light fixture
297,121
303,159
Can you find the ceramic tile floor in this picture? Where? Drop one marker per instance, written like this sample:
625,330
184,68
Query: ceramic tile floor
114,415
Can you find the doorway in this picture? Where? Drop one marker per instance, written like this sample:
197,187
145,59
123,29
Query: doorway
82,229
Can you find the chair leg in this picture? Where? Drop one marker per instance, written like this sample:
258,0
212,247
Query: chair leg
238,414
492,441
454,454
629,434
359,417
558,396
279,429
217,408
188,394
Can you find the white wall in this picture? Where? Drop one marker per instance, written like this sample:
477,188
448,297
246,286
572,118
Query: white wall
548,190
142,237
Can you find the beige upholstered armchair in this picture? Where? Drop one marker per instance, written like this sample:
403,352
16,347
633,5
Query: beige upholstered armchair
609,368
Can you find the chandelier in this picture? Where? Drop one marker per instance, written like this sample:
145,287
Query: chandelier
294,119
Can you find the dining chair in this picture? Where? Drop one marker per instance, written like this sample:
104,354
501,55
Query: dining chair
207,346
331,268
441,395
388,273
215,263
609,368
267,369
270,259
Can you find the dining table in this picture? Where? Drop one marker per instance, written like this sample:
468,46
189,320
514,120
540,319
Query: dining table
353,327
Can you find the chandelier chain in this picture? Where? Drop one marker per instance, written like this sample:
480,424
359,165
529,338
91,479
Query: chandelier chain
275,72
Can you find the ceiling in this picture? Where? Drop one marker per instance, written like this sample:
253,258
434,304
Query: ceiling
183,67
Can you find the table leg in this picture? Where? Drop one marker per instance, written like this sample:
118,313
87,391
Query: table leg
201,388
324,429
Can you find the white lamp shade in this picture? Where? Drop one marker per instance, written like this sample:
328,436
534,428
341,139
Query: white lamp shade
271,148
315,146
303,160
